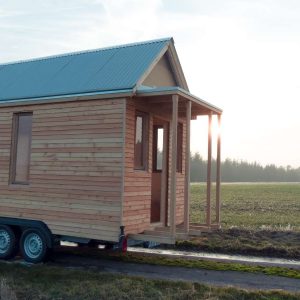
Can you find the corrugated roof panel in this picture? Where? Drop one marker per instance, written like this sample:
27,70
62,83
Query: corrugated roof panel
107,69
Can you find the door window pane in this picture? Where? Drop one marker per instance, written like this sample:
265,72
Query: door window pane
158,144
160,148
179,147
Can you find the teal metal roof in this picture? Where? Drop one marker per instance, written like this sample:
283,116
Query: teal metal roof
94,71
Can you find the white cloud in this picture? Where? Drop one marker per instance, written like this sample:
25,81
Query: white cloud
242,55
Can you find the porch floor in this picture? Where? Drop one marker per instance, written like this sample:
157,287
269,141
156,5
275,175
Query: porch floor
162,234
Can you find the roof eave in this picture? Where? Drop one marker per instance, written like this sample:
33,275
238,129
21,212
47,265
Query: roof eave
180,92
70,97
175,63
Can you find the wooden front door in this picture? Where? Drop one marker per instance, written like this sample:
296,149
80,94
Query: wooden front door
159,190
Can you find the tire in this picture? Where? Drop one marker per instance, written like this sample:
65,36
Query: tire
93,244
8,242
33,246
109,246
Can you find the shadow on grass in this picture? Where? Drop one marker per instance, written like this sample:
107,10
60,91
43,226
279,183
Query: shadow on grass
46,282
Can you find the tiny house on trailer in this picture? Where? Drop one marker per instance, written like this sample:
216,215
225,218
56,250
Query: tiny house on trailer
94,147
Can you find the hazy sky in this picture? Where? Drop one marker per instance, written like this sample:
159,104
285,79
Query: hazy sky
241,55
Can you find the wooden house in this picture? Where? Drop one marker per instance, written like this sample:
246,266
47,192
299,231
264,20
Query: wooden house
95,146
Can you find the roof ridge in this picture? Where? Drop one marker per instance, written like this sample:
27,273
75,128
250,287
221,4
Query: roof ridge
87,51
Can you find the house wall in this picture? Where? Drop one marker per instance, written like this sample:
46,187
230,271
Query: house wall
137,183
161,75
180,178
76,168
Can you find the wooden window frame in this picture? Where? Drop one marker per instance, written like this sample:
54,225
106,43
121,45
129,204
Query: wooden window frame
145,137
179,163
14,146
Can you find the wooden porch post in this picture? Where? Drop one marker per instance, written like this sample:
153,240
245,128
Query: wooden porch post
218,179
187,168
164,186
173,165
208,188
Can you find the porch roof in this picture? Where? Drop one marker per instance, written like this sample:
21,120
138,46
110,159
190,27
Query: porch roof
145,91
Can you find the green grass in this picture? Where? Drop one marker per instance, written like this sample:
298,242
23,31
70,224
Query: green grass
252,206
179,262
256,219
210,265
44,282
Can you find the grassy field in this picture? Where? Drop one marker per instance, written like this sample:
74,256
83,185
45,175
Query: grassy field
45,282
257,219
284,244
252,206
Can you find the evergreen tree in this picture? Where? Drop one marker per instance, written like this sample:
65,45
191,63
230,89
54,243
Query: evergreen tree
242,171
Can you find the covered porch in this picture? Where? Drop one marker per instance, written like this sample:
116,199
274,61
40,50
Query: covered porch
174,105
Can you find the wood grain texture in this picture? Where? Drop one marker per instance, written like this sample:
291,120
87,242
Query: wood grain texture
137,185
82,166
209,159
173,164
76,168
187,167
218,175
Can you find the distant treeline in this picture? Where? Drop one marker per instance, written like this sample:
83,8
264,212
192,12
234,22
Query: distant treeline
241,171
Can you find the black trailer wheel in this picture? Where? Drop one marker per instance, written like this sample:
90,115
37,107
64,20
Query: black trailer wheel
33,246
8,242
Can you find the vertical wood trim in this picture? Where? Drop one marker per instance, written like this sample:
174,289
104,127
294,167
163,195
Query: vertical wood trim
208,188
30,150
13,149
164,181
218,177
173,164
187,167
145,140
123,161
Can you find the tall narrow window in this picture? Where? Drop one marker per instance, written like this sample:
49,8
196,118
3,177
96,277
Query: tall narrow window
21,148
158,148
140,141
179,147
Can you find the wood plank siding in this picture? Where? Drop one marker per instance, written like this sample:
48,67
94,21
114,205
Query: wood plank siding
180,178
75,170
137,185
82,177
